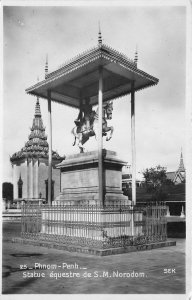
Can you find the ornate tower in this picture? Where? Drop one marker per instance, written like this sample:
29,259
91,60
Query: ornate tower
181,164
31,162
180,173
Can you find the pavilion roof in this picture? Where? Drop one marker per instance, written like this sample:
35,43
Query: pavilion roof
78,78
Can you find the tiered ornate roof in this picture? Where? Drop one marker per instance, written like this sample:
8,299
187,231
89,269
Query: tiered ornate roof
78,78
181,164
179,174
37,145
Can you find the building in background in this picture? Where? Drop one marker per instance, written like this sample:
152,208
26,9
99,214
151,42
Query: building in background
127,178
179,175
176,177
174,194
30,165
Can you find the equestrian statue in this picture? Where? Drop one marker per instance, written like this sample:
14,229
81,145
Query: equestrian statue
87,124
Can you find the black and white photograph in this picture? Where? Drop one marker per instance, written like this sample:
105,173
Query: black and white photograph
96,149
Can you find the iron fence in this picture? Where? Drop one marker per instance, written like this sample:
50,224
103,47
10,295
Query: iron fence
94,225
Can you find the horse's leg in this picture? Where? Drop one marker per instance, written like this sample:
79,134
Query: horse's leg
95,134
111,129
95,127
105,130
74,132
73,144
80,145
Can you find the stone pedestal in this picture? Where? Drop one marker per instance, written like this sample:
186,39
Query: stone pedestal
79,220
80,182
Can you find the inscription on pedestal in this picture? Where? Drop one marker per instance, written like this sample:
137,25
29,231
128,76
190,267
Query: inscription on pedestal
80,182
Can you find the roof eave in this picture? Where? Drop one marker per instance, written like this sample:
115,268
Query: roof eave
96,53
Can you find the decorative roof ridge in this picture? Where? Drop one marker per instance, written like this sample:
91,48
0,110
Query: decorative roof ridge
90,55
126,60
73,59
118,53
58,72
32,154
101,47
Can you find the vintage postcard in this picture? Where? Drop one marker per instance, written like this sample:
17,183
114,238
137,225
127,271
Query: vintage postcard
96,141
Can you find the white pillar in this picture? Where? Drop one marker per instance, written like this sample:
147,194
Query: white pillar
24,178
182,212
31,179
36,181
28,193
100,137
50,148
168,212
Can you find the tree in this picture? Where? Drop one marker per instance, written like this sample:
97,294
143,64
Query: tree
7,190
156,180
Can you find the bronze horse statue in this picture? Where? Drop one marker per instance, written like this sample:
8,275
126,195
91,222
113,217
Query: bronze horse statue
82,133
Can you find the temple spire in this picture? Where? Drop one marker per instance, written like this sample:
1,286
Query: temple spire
181,163
136,56
37,109
46,66
99,36
37,145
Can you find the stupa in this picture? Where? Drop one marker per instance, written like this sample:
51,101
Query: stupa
30,164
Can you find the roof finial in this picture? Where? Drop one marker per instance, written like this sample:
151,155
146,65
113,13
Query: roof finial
46,66
99,36
181,163
136,56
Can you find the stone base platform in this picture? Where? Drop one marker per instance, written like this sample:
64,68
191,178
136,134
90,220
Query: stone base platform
92,251
80,180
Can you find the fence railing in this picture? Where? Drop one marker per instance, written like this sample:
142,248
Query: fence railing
95,226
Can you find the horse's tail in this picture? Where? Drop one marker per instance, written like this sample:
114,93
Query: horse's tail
73,132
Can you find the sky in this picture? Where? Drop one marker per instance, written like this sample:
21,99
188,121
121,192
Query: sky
29,33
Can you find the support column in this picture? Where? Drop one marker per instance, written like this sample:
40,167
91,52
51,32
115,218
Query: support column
36,181
29,169
50,148
100,137
31,180
133,143
28,195
24,175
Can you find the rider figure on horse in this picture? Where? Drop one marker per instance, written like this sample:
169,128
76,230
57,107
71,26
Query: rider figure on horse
87,123
85,117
